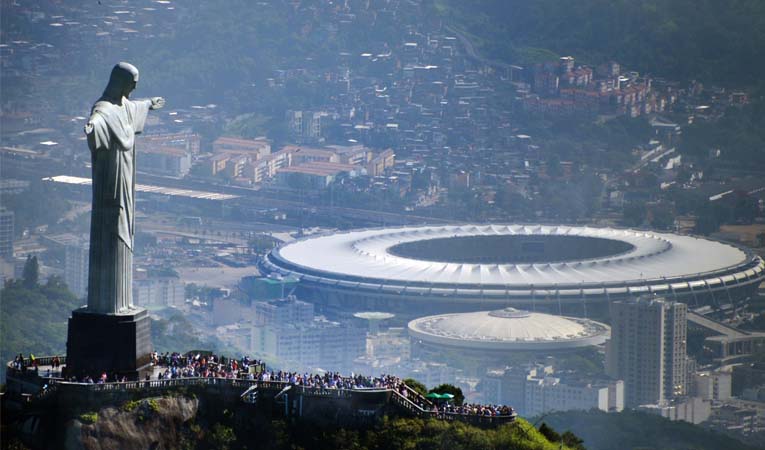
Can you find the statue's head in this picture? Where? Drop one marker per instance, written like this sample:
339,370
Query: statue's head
122,81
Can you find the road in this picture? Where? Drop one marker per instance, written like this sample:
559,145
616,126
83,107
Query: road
13,168
264,199
473,53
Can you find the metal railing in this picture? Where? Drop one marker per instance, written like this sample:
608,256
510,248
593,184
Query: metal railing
476,419
42,361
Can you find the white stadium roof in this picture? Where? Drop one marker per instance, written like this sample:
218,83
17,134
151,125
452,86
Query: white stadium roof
365,254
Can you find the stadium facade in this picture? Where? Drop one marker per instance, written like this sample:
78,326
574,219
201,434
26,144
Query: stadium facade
436,269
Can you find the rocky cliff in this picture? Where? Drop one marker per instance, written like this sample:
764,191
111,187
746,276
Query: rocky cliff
153,423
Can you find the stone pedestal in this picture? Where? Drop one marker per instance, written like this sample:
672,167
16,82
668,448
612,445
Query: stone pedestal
112,343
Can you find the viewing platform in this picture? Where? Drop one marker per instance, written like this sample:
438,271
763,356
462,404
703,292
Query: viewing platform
34,389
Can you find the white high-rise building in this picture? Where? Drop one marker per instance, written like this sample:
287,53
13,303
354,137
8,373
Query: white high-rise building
6,233
647,349
535,390
287,329
158,288
76,267
306,127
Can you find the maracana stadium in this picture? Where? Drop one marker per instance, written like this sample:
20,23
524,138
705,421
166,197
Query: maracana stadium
437,269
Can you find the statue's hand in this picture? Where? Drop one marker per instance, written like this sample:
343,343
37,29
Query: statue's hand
157,103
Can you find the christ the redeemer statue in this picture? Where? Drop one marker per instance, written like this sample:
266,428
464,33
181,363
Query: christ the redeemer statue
111,335
114,122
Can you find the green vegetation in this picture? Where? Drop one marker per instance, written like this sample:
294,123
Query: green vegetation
739,135
459,397
210,430
408,434
709,40
34,317
568,438
262,243
31,274
221,437
131,405
255,125
629,430
416,386
586,363
42,204
145,408
220,428
89,417
574,139
176,334
34,320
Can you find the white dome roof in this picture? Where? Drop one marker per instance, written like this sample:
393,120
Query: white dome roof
509,329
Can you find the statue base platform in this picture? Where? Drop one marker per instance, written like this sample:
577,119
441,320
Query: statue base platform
113,343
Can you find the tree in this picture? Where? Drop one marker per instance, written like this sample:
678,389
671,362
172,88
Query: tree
445,388
416,385
31,274
549,433
221,437
554,169
710,216
662,218
744,209
261,243
634,214
571,440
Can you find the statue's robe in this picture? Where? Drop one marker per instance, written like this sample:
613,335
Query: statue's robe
111,138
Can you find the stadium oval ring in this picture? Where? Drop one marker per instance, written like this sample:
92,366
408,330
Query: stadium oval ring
464,267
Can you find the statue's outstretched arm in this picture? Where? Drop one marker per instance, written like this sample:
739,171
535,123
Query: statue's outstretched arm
157,102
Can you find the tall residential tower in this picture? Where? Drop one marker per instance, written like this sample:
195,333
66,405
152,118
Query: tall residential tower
6,233
648,349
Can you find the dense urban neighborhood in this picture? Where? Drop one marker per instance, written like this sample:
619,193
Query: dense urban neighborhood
387,123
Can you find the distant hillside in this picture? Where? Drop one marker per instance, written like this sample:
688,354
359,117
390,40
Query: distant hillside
715,41
631,430
33,319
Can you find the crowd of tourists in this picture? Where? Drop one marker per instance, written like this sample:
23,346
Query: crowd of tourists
31,363
19,363
208,365
334,380
104,378
177,365
475,409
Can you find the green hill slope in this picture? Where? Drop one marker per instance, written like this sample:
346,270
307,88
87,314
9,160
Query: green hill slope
631,430
714,41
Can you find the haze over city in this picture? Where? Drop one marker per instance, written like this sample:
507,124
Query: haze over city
382,224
